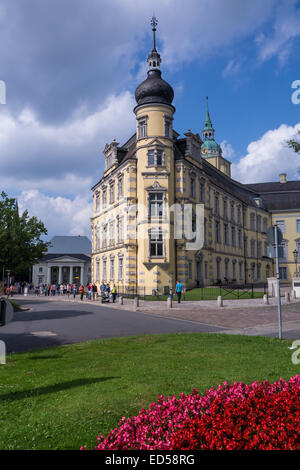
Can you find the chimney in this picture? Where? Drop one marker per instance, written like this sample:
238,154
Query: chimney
282,177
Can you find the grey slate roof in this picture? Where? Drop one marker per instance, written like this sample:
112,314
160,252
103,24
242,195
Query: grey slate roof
70,245
279,196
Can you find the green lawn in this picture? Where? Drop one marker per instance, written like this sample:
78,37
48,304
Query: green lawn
61,398
211,293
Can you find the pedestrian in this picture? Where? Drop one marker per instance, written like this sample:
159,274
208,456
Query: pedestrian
74,289
114,293
81,291
90,291
171,294
11,290
178,289
68,290
95,290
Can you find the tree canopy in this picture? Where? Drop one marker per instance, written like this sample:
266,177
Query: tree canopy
294,144
21,245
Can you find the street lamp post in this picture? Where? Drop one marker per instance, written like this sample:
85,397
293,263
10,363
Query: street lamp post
295,253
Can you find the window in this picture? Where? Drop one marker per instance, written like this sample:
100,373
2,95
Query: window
206,270
259,253
217,204
226,268
40,270
155,157
233,241
258,271
120,188
104,270
97,271
265,225
239,216
283,272
232,211
298,225
218,234
284,251
120,269
112,194
156,204
246,246
252,221
225,215
252,248
202,192
104,198
218,268
104,236
281,224
97,202
142,128
226,240
233,269
240,238
241,270
192,187
97,239
259,223
111,233
112,268
156,243
168,127
120,229
190,270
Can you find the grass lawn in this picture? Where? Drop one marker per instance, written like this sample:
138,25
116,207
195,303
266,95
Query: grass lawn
61,398
211,293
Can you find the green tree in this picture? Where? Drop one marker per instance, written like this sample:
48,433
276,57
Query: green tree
294,144
21,245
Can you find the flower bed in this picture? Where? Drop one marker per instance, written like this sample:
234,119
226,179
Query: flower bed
238,416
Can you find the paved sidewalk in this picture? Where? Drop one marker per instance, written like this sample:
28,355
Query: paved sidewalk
240,315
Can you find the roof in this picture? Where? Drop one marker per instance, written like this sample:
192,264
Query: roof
279,196
52,256
70,244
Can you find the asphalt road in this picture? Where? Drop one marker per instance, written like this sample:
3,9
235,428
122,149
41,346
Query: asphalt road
53,323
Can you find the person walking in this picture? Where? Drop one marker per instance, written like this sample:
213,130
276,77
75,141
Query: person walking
81,291
74,290
114,293
178,289
95,290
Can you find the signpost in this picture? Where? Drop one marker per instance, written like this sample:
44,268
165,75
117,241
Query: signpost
274,235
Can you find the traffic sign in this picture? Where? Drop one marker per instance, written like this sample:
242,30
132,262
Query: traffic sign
271,235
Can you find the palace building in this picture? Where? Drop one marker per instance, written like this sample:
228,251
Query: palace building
135,241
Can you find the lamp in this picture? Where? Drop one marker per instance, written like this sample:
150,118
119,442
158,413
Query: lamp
295,253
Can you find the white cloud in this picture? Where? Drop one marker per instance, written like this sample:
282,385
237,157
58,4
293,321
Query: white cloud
286,29
63,158
269,156
61,216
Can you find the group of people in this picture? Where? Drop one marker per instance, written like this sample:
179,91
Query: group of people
107,291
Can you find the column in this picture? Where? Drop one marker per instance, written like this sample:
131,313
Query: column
59,274
81,274
71,275
48,275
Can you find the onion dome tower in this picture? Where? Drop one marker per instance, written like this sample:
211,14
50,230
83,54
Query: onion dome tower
154,89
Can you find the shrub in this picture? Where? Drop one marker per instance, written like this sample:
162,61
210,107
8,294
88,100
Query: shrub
238,416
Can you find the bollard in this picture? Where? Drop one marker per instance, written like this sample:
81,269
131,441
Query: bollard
287,296
293,294
220,301
169,302
121,300
266,299
136,302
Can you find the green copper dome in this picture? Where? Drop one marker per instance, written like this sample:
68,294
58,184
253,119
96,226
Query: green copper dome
210,144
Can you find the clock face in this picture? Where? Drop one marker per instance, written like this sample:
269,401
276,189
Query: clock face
204,151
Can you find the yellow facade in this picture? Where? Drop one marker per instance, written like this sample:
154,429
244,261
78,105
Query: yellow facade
135,239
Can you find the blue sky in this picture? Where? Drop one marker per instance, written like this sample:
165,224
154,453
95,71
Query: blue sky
71,69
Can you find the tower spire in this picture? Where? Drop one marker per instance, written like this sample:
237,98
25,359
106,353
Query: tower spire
208,123
154,59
